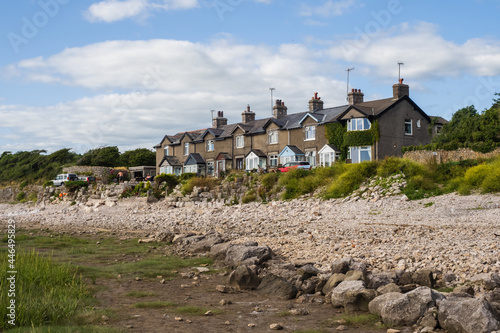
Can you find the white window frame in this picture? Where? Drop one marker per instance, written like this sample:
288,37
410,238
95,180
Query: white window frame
210,145
419,123
240,141
273,137
167,150
273,160
311,157
410,123
327,159
210,168
186,148
310,133
358,151
358,124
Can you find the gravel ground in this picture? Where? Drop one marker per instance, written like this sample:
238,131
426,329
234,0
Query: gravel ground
450,233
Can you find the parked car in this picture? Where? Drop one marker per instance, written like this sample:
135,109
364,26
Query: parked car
88,179
295,165
62,178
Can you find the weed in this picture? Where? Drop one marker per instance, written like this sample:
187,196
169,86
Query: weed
428,204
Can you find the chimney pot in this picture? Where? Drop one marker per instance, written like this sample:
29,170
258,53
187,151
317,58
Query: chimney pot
248,107
315,95
401,81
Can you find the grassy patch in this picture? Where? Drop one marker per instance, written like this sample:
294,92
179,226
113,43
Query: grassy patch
195,310
139,294
46,292
155,304
66,329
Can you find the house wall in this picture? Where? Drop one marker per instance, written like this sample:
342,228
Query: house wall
392,130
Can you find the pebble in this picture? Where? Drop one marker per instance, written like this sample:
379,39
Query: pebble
448,233
276,327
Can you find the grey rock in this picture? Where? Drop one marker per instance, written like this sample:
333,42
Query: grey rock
332,282
244,278
489,281
218,251
341,266
493,298
467,315
464,289
250,255
381,279
273,285
352,295
404,309
423,277
389,288
354,275
206,243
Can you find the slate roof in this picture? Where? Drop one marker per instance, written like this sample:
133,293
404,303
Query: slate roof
439,120
172,160
257,152
194,158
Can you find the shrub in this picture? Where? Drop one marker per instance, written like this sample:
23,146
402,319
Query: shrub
199,182
269,180
350,179
73,186
187,176
48,183
170,180
33,197
250,197
20,196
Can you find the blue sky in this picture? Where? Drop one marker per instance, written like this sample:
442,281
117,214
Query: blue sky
85,74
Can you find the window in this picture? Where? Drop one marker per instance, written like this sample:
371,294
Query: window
310,132
419,124
273,137
186,148
358,124
273,160
408,127
166,148
240,141
210,168
210,145
311,158
327,159
359,154
438,129
190,168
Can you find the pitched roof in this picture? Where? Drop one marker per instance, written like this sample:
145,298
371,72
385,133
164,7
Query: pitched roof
439,120
171,160
194,158
257,152
293,149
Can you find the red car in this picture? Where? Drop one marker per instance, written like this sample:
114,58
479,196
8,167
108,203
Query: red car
295,165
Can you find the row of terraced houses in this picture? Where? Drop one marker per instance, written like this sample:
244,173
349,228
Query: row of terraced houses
267,143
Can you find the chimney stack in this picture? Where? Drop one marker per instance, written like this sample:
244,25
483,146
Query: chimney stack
279,110
219,121
355,97
400,89
315,103
247,115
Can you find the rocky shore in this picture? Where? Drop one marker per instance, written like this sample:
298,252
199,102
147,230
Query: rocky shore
318,246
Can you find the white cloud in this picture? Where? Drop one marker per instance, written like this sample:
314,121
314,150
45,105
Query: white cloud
168,86
115,10
425,53
328,9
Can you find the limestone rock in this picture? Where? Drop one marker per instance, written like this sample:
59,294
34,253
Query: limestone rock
244,278
352,295
276,286
251,255
467,315
332,282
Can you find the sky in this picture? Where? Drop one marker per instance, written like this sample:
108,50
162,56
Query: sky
87,74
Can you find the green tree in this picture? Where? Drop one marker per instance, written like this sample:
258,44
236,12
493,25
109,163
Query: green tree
138,157
104,156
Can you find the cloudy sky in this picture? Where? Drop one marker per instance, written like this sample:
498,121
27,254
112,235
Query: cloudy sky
85,74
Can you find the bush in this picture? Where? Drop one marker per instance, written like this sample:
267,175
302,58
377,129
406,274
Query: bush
170,180
269,180
73,186
20,196
33,197
48,183
199,182
187,176
350,179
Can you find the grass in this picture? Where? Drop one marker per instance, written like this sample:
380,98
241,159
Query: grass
362,319
195,310
54,297
46,292
66,329
155,304
140,294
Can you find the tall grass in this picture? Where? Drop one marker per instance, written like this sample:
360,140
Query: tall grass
350,179
46,292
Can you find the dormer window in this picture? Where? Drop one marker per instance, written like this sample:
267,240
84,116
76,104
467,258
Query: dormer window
358,124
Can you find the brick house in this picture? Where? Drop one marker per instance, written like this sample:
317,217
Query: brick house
266,143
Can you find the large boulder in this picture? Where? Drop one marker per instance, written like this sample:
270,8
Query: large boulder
467,315
404,309
205,244
218,251
424,277
494,299
489,281
377,280
273,285
352,295
244,278
332,282
247,255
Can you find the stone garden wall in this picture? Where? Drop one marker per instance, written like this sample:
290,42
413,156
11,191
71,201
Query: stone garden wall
443,156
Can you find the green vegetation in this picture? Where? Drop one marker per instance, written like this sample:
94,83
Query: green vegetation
138,157
104,156
46,291
56,297
187,188
468,129
73,186
338,136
